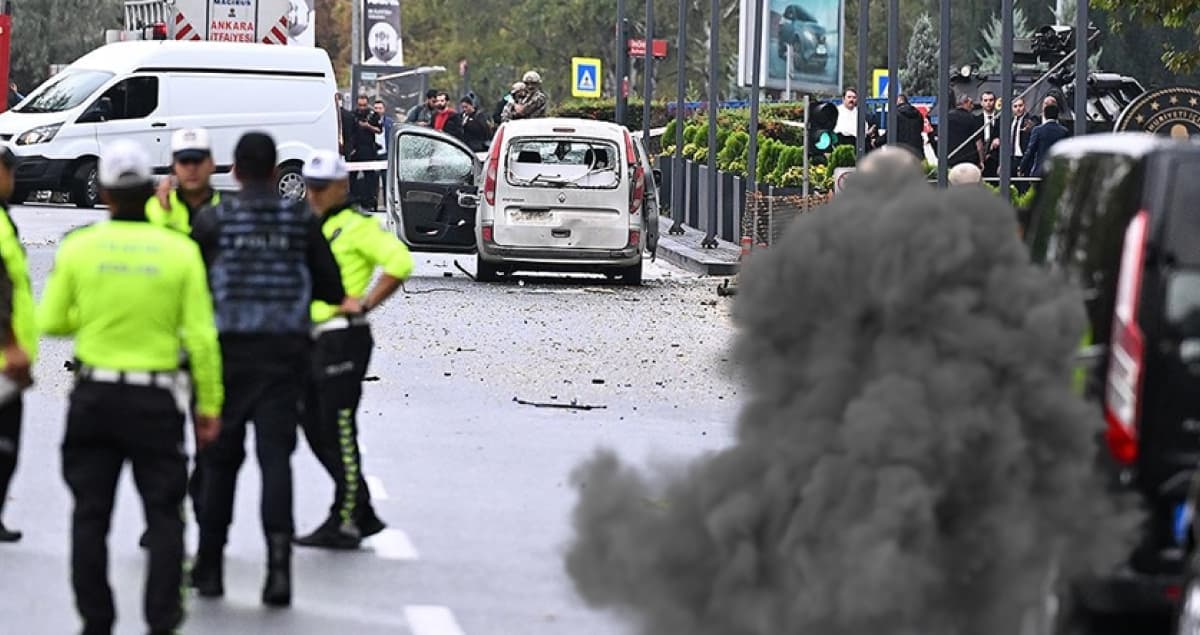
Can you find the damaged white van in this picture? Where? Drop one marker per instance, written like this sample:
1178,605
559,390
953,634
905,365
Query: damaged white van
552,195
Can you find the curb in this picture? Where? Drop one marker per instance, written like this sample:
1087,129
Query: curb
694,260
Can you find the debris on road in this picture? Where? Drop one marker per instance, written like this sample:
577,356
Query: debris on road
574,405
465,272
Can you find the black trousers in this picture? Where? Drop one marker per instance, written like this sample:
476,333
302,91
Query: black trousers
365,189
340,360
269,392
108,424
10,445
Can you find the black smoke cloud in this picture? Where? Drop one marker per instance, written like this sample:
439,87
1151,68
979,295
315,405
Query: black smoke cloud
911,458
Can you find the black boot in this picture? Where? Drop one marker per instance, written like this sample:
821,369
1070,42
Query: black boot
369,524
278,589
9,535
332,534
208,571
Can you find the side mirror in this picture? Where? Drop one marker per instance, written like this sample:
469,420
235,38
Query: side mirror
100,111
657,177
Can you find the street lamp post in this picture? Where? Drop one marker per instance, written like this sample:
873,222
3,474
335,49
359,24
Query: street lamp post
943,98
1006,94
677,177
1081,66
755,89
864,17
893,69
648,69
714,75
622,61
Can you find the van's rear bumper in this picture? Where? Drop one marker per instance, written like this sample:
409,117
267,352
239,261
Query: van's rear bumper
560,258
41,173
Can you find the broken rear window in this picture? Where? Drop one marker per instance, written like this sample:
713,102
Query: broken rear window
564,163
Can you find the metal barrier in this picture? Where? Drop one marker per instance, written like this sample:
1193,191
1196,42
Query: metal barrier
767,216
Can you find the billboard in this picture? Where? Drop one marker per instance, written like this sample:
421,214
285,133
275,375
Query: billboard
814,28
382,44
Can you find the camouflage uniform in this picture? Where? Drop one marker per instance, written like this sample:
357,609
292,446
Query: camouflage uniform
534,104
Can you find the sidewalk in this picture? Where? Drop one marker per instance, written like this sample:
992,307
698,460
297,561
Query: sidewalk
685,251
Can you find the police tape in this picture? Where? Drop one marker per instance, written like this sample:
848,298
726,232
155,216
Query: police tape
381,165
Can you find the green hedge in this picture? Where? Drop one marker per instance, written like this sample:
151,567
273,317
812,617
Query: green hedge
606,109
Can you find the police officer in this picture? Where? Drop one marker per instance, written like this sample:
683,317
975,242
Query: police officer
267,261
18,330
130,292
343,349
193,167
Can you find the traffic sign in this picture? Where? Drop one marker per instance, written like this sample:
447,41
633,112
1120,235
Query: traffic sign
637,48
586,74
879,83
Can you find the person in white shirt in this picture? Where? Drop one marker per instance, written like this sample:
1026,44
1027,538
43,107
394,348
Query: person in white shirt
847,121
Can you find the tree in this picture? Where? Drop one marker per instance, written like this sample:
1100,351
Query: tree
46,32
920,74
333,35
1173,14
989,56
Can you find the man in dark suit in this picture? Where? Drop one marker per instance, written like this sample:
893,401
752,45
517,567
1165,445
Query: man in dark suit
1022,126
1041,139
989,137
961,126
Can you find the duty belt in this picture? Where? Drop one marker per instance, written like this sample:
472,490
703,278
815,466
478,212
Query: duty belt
165,379
339,323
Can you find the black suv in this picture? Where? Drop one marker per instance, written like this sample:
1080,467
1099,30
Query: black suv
1119,214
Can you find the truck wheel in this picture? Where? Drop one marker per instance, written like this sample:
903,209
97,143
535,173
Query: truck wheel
290,183
485,271
85,186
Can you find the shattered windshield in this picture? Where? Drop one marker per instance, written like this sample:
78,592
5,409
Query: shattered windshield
65,91
564,163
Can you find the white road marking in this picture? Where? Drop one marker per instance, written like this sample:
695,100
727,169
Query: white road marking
431,620
378,491
392,544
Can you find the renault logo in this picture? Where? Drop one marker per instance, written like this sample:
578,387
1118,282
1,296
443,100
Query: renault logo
562,198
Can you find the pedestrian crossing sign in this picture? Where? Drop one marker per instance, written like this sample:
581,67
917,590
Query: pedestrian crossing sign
586,74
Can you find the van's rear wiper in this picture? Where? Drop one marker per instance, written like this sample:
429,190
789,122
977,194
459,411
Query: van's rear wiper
555,179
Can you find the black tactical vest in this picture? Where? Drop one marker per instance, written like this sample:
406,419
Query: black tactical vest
259,278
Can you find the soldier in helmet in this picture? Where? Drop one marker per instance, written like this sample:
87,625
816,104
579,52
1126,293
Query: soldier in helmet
534,103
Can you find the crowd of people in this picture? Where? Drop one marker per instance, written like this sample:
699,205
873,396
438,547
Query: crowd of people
240,308
365,133
973,135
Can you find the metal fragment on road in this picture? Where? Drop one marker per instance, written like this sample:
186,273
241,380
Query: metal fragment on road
574,405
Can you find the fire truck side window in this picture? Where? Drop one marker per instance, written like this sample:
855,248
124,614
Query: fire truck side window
133,98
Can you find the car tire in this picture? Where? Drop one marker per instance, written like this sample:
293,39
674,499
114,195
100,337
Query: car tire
631,275
289,182
485,271
85,185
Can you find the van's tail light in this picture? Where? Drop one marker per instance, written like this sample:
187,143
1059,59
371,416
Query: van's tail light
493,168
1126,366
488,233
635,238
638,191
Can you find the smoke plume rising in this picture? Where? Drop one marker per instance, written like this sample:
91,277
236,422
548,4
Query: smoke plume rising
911,459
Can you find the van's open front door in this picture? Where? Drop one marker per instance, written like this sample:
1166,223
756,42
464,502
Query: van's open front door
432,196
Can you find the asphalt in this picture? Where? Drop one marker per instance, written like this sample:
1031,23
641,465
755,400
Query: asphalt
473,484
